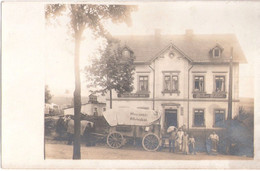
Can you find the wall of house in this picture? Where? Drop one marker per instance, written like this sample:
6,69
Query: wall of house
179,65
209,71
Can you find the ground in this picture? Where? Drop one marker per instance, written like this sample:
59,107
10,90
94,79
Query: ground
103,152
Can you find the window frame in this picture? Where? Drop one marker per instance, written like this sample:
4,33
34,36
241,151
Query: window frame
139,90
126,53
204,83
204,123
95,111
214,52
171,74
214,114
215,86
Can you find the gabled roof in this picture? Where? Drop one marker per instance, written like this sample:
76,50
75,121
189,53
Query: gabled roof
170,46
196,47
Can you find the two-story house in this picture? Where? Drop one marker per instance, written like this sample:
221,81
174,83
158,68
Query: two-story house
185,77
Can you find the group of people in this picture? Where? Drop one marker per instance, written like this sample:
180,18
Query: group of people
181,141
67,124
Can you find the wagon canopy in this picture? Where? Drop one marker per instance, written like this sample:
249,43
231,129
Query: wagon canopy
131,116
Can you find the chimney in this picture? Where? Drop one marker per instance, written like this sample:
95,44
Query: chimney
189,33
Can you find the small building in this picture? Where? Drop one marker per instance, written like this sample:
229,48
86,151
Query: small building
92,108
52,109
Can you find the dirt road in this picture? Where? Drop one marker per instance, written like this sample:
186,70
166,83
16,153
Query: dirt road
63,151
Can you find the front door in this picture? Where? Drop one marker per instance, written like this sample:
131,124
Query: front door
171,118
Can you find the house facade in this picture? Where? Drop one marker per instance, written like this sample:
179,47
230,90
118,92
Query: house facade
185,77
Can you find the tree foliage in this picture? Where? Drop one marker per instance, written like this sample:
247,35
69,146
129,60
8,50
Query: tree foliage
84,16
48,95
113,71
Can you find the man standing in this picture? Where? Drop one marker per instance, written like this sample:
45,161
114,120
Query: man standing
185,143
214,142
192,145
172,140
179,138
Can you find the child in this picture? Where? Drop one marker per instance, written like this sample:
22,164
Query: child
192,145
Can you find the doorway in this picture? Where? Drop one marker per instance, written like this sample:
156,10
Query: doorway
171,118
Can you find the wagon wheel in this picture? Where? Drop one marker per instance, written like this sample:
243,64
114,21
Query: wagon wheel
115,140
151,142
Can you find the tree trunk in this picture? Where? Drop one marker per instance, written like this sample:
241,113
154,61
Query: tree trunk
77,100
110,99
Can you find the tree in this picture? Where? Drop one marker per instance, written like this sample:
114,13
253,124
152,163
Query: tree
113,70
48,95
84,16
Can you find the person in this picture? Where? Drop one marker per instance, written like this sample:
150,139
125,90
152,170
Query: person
208,145
87,134
185,142
214,142
179,139
60,127
70,131
192,145
172,140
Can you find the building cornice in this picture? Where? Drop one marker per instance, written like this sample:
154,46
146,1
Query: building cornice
182,100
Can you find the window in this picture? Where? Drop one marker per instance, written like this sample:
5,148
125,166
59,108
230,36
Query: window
199,117
126,54
95,113
171,82
219,118
216,53
219,83
167,82
174,82
104,109
199,83
171,55
143,83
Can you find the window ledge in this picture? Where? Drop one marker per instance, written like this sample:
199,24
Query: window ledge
199,92
215,126
196,126
171,92
219,92
143,92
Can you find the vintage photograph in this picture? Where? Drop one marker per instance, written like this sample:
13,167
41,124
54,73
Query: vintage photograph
149,81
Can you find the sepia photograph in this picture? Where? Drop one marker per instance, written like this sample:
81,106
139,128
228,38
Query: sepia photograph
138,82
130,85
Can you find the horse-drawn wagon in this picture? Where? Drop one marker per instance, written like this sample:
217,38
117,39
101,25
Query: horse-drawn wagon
131,124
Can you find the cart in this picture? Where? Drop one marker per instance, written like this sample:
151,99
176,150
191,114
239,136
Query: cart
128,124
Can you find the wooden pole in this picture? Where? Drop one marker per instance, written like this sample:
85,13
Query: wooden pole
230,86
77,100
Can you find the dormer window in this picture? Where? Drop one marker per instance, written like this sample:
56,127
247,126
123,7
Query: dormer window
216,51
126,53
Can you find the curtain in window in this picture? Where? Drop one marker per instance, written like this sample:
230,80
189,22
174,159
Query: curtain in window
220,83
143,83
167,82
199,83
174,83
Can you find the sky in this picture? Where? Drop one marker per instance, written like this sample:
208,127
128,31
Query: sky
239,18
